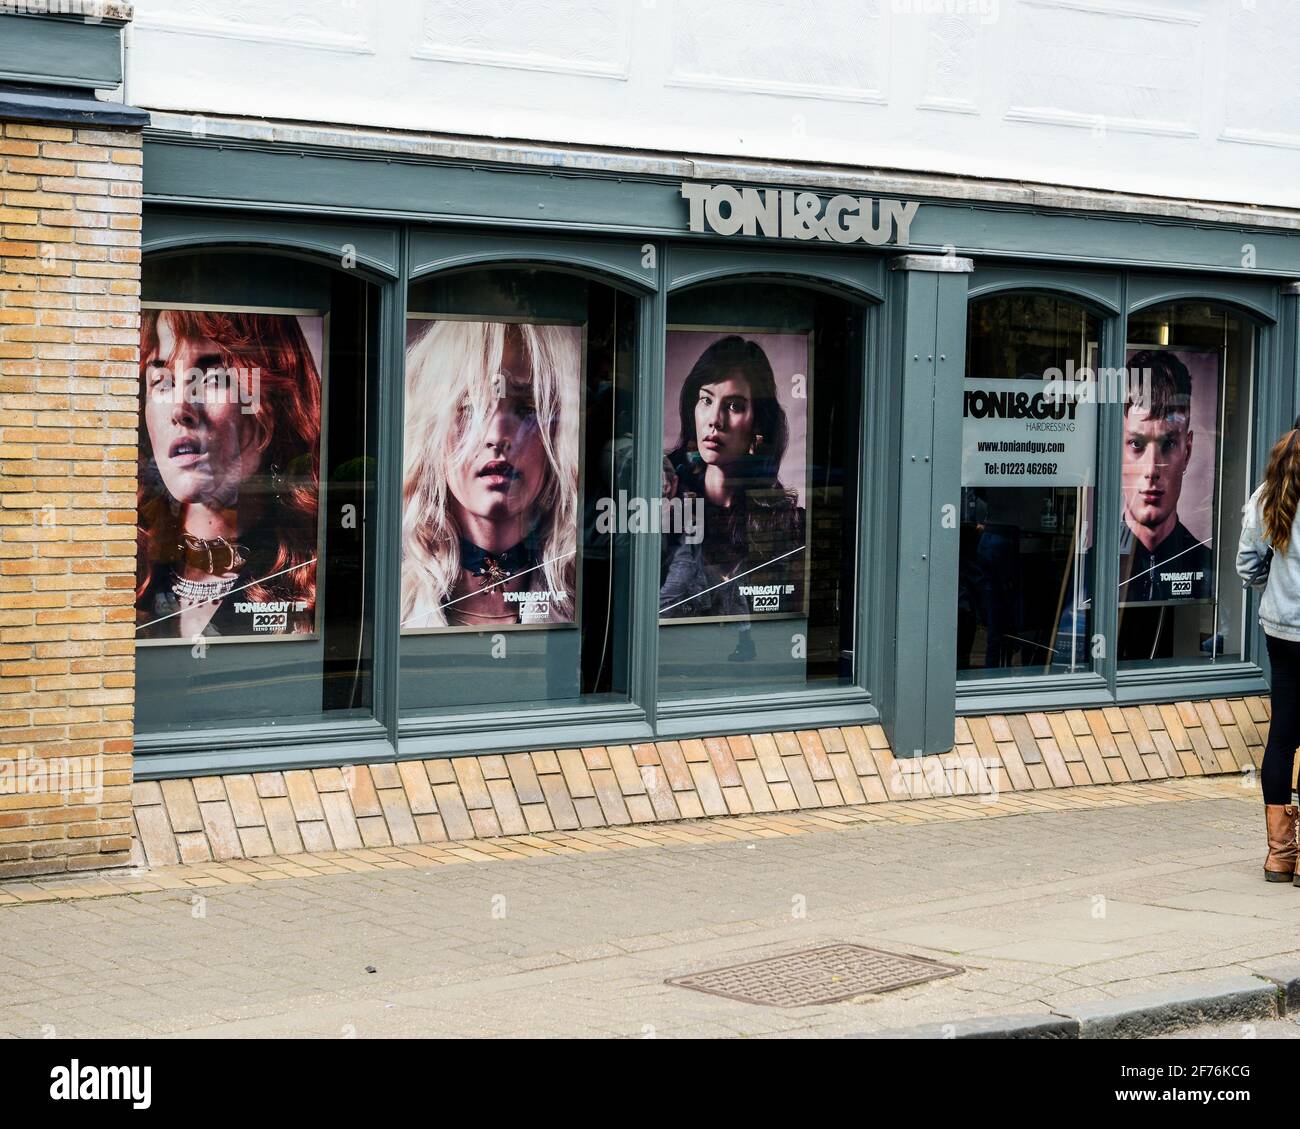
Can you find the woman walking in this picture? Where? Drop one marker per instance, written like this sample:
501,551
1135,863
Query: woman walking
1269,559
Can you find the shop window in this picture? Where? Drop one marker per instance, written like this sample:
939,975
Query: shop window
1028,480
256,473
519,431
1185,477
762,435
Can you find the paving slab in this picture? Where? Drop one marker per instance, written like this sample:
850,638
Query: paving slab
583,944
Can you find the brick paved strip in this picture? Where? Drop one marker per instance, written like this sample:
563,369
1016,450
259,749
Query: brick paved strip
477,797
322,861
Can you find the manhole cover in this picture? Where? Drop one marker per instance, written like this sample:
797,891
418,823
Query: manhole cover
816,976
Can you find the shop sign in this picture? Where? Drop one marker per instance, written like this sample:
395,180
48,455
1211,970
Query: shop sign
782,213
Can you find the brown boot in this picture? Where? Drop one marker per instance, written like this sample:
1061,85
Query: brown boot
1280,866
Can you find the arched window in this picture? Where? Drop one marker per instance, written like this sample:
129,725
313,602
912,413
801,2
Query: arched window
520,387
1028,484
762,442
1186,473
254,557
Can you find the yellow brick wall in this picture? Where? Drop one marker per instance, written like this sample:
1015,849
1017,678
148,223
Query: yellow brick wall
69,331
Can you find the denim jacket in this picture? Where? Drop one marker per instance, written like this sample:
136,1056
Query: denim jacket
1279,607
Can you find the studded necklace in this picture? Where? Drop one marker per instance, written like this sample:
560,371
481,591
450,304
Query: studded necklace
493,569
202,591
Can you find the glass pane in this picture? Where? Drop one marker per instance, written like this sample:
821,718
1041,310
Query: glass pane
1186,476
519,421
256,472
1028,479
761,439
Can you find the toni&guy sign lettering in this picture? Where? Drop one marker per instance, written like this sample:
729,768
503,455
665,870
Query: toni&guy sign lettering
782,213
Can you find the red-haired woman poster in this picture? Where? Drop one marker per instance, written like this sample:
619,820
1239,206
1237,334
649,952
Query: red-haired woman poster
227,528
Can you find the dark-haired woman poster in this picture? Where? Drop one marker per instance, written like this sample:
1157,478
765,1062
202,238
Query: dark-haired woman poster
226,530
749,557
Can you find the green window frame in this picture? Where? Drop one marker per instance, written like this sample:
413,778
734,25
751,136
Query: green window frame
1115,295
394,216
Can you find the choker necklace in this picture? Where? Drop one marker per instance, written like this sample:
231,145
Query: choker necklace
202,591
496,568
214,556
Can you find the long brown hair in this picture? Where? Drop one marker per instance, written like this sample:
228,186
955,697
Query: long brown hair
1281,490
288,421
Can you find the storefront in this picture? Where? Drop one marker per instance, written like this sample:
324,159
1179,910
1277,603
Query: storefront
892,561
456,449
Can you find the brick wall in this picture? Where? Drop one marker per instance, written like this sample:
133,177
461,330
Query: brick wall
69,325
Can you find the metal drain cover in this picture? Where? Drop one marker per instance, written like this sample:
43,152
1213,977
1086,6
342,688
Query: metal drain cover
816,976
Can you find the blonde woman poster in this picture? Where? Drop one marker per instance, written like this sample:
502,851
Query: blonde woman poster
490,496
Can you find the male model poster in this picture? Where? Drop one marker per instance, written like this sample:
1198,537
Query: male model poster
1170,440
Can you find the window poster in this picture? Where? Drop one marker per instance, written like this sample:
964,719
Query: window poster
228,512
1170,455
491,497
736,474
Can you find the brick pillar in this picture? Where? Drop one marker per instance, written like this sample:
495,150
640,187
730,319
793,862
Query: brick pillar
69,325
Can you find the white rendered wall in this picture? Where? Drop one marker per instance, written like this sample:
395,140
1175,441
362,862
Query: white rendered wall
1193,99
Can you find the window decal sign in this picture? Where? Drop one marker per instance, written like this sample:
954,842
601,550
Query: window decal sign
1027,433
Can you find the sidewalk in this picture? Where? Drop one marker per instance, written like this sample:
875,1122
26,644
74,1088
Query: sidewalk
1121,890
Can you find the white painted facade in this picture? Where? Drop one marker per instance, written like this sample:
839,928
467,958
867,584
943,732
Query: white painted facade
1191,99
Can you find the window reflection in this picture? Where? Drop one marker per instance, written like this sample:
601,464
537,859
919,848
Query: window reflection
1028,481
519,435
